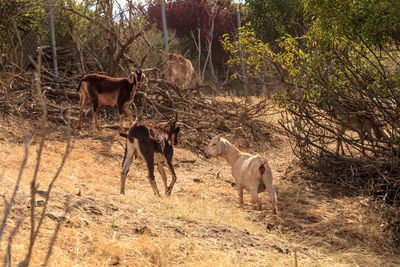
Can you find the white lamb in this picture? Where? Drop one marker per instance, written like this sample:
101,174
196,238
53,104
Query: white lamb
252,173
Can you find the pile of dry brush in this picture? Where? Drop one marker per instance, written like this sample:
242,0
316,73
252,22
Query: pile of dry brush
367,160
203,109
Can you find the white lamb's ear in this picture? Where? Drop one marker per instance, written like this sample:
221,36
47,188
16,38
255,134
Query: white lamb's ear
221,147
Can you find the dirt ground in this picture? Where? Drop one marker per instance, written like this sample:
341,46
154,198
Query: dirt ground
201,224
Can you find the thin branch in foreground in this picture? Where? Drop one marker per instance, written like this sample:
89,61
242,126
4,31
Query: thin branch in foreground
8,206
49,188
32,238
55,234
35,230
7,256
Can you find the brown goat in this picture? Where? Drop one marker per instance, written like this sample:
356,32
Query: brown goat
151,144
102,90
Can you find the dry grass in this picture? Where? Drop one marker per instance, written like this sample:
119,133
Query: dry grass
201,224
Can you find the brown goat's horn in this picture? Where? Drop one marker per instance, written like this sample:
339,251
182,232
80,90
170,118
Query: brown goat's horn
143,59
150,69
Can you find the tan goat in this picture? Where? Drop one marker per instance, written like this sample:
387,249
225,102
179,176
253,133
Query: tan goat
178,70
361,123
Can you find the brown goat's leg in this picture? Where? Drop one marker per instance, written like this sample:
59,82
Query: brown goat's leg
341,130
366,135
96,121
152,180
128,112
82,104
339,146
126,163
171,186
121,122
121,117
163,175
154,186
94,114
79,126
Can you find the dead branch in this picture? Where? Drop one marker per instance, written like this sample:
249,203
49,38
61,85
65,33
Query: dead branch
7,208
56,230
209,49
7,257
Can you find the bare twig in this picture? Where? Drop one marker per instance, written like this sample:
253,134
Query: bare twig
7,208
7,257
55,233
35,228
50,186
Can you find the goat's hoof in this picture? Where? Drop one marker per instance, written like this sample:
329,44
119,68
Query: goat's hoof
168,191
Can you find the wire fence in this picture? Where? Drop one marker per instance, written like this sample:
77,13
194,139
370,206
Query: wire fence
199,24
196,25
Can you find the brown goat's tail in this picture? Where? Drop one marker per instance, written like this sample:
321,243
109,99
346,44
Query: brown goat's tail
79,85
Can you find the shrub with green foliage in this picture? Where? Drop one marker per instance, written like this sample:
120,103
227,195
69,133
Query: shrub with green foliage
272,19
346,71
258,59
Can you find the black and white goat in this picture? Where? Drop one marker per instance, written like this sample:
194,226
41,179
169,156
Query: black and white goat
151,144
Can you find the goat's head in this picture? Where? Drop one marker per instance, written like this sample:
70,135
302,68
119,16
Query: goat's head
135,77
174,130
174,135
217,147
171,128
132,78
